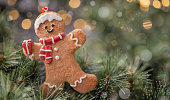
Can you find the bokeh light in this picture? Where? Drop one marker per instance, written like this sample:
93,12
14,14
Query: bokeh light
147,24
165,3
61,12
11,2
67,18
129,0
146,55
70,13
104,95
119,14
13,14
144,8
104,12
29,14
157,4
26,24
114,43
91,26
87,11
144,5
74,3
80,24
92,3
124,93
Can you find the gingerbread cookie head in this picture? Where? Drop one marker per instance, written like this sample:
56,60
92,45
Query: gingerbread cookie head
48,24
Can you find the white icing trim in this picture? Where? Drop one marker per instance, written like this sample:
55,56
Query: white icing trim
46,50
52,86
77,81
52,40
48,57
60,36
56,49
57,57
43,42
27,46
41,55
46,16
75,39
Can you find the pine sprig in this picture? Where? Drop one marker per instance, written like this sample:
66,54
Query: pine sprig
162,91
11,90
113,76
114,73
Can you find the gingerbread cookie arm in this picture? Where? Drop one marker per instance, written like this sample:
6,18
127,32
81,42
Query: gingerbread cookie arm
35,51
25,53
76,39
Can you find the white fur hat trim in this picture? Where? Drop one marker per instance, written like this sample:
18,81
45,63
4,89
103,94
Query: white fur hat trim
46,16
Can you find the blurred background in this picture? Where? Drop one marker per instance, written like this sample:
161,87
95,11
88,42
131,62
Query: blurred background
141,28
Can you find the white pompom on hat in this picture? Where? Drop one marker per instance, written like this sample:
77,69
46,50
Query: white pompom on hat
46,15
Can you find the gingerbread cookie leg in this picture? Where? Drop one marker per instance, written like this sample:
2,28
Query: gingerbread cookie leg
83,82
79,80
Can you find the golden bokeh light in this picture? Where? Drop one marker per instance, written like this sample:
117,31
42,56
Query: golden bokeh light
91,26
144,5
144,8
74,3
11,2
165,3
147,24
157,4
26,24
80,24
61,12
67,18
122,27
13,14
130,0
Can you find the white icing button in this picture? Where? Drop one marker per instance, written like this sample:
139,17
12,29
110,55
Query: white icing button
56,49
56,57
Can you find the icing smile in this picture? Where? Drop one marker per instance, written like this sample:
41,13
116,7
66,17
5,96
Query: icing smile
50,31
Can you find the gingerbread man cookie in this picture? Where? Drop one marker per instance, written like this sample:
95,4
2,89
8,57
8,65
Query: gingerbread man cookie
56,50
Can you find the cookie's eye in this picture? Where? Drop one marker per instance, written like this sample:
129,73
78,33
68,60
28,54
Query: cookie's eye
52,25
45,27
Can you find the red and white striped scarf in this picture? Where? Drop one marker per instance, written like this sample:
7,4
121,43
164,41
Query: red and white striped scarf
46,50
